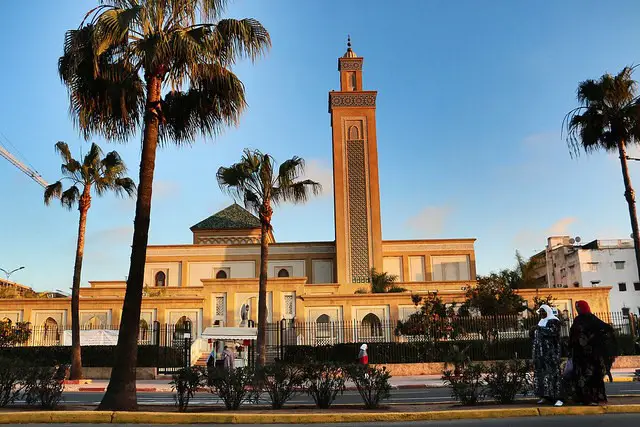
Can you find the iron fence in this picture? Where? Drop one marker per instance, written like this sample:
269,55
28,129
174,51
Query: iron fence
172,342
435,340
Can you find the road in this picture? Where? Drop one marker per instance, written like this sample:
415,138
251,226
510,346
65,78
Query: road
430,395
619,420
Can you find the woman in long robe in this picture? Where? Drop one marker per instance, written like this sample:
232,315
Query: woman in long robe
592,348
546,356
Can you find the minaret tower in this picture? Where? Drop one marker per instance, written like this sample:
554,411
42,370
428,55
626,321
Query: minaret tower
355,174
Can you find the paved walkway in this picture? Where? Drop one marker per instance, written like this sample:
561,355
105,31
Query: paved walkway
409,382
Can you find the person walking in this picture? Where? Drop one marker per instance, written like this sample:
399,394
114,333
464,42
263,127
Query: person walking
592,348
546,356
229,358
363,357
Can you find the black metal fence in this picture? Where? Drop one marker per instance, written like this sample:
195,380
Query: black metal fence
435,340
172,342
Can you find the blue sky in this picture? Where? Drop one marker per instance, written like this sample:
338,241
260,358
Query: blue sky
471,97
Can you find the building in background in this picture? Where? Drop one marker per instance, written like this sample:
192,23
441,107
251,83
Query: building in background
567,264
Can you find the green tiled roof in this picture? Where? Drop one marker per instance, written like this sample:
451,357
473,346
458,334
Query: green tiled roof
235,216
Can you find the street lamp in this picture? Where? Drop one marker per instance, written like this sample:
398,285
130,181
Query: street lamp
9,273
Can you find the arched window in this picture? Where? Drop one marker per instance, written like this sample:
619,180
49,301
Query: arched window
143,331
93,323
372,325
161,279
51,329
283,272
180,324
354,133
323,318
221,274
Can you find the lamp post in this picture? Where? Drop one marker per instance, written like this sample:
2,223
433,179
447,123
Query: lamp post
9,273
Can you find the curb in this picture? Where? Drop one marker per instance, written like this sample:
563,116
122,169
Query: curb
106,417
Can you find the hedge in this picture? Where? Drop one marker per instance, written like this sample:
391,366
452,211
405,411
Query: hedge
94,356
440,351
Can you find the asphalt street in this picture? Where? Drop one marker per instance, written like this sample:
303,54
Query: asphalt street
619,420
430,395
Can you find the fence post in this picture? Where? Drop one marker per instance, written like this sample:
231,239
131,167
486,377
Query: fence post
187,344
281,340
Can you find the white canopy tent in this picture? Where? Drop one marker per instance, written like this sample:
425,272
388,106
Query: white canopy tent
228,333
92,337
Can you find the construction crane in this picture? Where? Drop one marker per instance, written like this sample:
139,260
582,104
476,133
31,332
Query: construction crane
24,168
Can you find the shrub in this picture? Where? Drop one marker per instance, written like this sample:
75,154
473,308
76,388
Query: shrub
10,376
506,379
372,384
281,382
231,385
185,383
323,382
466,383
94,356
43,386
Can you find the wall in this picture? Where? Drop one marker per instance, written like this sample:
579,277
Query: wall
205,270
171,269
608,275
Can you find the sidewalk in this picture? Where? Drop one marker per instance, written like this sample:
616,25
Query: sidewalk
398,383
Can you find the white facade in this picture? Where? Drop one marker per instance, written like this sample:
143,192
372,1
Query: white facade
597,263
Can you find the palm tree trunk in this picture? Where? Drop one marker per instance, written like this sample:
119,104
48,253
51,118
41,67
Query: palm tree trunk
631,201
121,392
76,352
262,295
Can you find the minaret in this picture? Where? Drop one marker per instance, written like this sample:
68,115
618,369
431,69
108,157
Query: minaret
355,174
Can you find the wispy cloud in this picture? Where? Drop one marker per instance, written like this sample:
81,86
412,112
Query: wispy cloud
165,189
430,221
528,238
320,171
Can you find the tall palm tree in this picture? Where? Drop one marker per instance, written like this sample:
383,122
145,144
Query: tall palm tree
260,184
115,66
608,118
100,174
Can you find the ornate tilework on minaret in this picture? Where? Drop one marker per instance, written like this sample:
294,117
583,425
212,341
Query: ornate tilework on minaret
358,218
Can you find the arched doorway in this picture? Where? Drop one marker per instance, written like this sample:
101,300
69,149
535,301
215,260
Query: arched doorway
324,330
50,334
94,323
371,328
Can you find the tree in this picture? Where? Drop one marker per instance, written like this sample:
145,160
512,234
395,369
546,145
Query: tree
433,320
260,184
11,334
608,118
494,295
384,283
101,174
115,66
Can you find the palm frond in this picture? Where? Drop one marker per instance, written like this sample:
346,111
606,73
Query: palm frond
52,191
297,192
290,170
215,100
125,186
70,197
233,39
63,149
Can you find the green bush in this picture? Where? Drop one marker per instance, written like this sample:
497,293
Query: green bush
281,382
43,386
466,382
11,374
410,352
372,383
184,384
231,385
93,356
506,379
323,382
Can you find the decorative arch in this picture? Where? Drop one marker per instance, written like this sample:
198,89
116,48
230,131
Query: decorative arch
221,274
372,325
283,272
160,279
51,329
354,133
93,323
143,330
180,324
323,318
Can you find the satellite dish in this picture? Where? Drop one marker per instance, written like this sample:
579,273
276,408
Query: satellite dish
578,239
572,241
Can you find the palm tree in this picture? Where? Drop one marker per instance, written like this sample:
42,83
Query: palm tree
384,282
115,66
608,118
100,174
259,184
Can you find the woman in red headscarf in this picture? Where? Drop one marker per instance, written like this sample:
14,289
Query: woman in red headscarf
592,349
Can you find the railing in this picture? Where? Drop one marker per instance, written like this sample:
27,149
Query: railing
436,340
